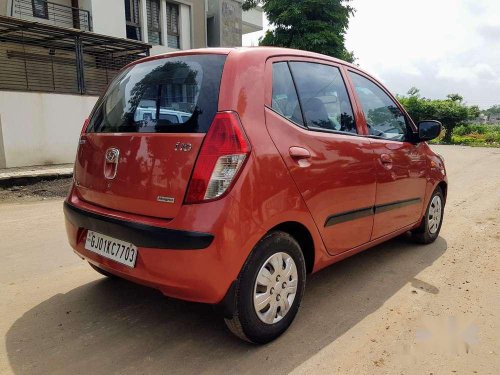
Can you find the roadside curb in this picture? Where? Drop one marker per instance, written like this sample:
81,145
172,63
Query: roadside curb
9,177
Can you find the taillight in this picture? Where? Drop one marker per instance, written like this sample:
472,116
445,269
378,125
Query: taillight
222,155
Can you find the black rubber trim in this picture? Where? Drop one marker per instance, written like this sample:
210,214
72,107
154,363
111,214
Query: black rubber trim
348,216
368,211
227,307
140,235
398,204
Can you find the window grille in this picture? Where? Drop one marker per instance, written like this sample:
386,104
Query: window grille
40,9
153,16
132,19
173,39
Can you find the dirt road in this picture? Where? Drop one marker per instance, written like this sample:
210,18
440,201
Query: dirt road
397,308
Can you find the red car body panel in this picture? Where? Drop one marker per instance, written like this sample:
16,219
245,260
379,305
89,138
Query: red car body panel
339,166
148,168
273,189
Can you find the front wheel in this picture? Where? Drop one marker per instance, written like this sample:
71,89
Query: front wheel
430,227
270,289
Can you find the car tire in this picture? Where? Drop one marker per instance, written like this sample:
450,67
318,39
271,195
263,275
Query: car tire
264,304
430,227
101,271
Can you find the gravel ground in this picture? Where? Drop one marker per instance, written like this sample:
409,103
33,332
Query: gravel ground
32,192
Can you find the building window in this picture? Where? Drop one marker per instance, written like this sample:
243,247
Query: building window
132,19
40,9
153,15
173,40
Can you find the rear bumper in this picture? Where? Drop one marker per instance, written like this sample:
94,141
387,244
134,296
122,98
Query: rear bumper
181,264
141,235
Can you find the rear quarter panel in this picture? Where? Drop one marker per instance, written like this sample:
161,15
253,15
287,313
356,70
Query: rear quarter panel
266,187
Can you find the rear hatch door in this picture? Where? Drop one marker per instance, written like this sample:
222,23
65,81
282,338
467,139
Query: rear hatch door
141,144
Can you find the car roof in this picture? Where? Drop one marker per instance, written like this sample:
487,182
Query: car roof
262,52
268,52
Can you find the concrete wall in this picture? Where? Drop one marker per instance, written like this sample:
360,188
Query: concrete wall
3,164
231,23
108,16
3,8
213,26
39,129
199,23
185,26
252,20
225,26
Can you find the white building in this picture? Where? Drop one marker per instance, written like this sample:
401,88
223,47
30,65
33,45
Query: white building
57,56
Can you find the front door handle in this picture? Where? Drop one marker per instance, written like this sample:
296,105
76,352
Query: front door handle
299,152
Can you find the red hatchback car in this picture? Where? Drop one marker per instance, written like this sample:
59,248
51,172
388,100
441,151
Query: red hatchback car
225,176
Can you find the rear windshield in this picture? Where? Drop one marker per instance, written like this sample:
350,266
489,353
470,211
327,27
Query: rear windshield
171,95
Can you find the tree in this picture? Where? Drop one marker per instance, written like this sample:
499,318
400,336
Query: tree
451,111
311,25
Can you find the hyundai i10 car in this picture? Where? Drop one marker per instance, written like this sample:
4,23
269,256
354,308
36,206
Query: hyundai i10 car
280,163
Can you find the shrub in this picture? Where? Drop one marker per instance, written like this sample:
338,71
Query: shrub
477,135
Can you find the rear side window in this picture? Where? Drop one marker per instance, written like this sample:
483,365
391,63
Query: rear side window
171,95
323,97
383,117
285,100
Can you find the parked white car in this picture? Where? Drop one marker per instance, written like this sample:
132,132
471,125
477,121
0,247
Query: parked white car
149,114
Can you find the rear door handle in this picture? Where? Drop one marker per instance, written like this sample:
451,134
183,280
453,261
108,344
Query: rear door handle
299,152
385,159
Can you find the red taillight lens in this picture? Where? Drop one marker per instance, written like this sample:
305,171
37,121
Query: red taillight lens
223,153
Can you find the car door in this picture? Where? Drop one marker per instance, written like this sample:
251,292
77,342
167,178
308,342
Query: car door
311,121
400,166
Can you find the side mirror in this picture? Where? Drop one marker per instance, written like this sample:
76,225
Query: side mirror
428,129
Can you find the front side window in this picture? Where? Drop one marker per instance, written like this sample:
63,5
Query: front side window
323,97
40,9
383,117
173,39
132,20
153,15
285,100
172,95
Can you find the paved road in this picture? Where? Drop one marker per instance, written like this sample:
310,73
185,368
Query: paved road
397,308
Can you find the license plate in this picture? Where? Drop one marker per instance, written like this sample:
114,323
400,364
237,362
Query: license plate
111,248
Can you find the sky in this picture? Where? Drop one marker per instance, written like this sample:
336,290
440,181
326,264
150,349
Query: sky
438,46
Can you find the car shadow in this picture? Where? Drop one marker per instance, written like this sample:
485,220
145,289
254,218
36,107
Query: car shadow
113,326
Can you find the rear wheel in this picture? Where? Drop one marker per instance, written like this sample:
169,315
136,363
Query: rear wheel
270,289
430,227
101,271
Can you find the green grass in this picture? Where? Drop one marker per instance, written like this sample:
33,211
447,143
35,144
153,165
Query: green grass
474,135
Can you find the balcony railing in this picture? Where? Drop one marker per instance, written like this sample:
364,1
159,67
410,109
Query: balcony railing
35,56
52,13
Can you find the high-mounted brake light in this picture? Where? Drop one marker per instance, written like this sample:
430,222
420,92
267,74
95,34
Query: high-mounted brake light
222,155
